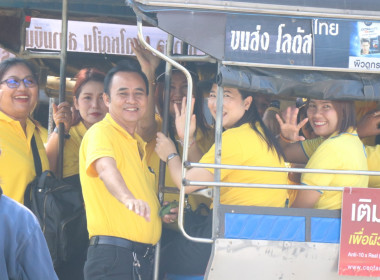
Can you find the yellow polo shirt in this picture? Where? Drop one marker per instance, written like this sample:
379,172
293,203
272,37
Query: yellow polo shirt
243,146
344,151
71,150
16,160
204,143
105,214
373,158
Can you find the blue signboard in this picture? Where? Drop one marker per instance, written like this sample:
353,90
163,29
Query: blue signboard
303,41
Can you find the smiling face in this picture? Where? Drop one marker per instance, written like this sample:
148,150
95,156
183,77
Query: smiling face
234,106
178,90
323,117
90,103
128,99
18,103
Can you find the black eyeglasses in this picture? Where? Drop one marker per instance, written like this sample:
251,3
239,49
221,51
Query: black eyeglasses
29,82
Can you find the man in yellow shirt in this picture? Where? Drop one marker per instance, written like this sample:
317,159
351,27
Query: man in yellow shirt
118,187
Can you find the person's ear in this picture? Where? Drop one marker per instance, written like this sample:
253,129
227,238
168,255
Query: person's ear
106,99
247,102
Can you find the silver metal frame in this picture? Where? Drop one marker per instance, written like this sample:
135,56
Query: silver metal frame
298,67
259,8
218,225
218,142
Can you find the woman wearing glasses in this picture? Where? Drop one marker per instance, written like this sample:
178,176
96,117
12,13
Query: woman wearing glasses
18,98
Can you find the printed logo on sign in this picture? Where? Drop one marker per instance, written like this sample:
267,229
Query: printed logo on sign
360,236
364,210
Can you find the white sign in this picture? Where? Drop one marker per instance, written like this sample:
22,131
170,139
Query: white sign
364,63
92,37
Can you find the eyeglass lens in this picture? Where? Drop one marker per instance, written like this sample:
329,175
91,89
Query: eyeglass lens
15,83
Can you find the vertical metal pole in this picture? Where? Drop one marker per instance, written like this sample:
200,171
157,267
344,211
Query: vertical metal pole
218,152
51,120
62,86
165,119
165,129
22,32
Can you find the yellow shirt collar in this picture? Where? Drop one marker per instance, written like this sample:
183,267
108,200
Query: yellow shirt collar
30,126
135,137
350,130
81,128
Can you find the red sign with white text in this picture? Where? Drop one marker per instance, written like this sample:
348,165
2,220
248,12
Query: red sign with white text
360,232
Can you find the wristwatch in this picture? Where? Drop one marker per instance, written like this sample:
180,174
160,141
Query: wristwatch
172,155
66,135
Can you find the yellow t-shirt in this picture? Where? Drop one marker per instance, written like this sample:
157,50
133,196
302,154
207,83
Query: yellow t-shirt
344,151
105,214
373,158
16,159
243,146
71,150
204,143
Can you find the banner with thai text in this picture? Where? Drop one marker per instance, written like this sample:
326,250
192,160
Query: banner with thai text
360,233
93,37
313,42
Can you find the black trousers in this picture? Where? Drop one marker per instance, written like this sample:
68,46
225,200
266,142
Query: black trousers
116,263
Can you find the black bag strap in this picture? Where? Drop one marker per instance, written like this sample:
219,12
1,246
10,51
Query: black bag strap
36,157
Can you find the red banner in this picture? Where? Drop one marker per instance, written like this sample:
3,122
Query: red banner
360,232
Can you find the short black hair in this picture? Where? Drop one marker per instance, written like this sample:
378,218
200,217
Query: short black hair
364,40
130,66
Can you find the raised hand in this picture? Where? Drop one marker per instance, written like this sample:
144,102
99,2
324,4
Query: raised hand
180,119
289,127
62,114
148,61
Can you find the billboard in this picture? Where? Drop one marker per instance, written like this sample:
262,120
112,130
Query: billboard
314,42
360,233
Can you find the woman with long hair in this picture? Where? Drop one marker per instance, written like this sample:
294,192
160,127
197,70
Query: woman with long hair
245,141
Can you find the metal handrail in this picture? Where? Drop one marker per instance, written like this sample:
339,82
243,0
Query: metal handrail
263,186
281,169
187,126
